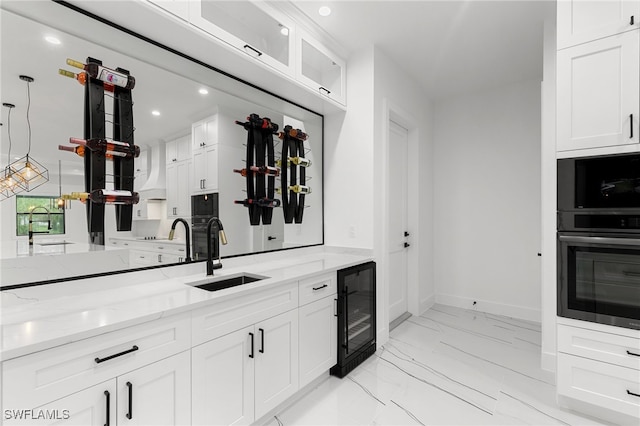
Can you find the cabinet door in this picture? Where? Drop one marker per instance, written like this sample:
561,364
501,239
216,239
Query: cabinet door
276,359
157,394
251,27
204,133
205,169
179,182
94,406
222,375
318,338
180,8
581,21
598,93
320,69
172,190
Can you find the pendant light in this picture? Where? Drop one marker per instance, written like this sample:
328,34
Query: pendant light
11,183
33,173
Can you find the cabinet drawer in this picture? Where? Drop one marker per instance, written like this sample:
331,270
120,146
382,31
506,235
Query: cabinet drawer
35,379
316,288
600,384
239,312
619,350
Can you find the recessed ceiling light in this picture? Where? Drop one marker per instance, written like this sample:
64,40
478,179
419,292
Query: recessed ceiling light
155,112
324,11
52,39
203,91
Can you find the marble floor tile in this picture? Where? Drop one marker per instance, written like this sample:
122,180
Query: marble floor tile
450,366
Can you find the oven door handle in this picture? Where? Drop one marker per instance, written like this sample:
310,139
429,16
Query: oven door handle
601,240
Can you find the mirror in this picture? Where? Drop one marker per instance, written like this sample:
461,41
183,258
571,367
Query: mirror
165,82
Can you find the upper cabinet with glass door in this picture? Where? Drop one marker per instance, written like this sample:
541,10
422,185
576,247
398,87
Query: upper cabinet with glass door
251,27
319,68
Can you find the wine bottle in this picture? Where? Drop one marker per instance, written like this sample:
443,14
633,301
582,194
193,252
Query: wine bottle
97,144
107,75
298,161
266,170
108,196
300,189
80,151
294,133
262,202
82,78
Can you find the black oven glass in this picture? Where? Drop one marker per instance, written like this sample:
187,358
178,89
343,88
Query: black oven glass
607,182
602,284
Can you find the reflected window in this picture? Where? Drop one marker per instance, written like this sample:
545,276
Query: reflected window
43,210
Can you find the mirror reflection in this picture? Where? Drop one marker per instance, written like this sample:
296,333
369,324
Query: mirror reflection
184,119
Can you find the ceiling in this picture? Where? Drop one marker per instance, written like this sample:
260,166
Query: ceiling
448,47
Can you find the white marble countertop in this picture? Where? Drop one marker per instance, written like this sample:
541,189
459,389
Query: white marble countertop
40,317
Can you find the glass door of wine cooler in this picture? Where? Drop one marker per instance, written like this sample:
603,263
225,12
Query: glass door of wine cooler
356,316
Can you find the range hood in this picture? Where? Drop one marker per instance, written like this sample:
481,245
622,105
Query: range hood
155,188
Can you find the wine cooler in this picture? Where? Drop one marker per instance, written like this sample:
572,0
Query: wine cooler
356,317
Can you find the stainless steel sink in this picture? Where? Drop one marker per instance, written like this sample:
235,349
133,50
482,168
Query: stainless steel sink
220,283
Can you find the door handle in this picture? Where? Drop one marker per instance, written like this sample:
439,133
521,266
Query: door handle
271,238
630,126
133,349
108,397
246,46
406,234
632,22
251,354
130,413
261,340
406,245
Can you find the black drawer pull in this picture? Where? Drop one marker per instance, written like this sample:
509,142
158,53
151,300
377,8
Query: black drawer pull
130,413
133,349
246,46
630,126
108,396
261,341
634,394
631,353
632,22
326,91
251,354
321,287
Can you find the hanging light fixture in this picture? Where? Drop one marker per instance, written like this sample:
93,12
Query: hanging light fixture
29,170
11,183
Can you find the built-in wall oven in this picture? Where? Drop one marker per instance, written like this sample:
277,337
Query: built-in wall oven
599,239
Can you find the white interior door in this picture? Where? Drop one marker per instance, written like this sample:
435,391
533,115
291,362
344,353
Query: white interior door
398,218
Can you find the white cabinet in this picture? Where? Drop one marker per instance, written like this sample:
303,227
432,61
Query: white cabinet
204,147
600,369
141,170
598,93
179,183
205,170
581,21
148,210
318,338
157,394
179,8
254,28
320,69
178,149
239,377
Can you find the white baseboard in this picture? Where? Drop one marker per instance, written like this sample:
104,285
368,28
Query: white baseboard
513,311
426,304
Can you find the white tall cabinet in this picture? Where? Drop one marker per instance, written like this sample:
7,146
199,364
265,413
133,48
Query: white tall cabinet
179,177
598,113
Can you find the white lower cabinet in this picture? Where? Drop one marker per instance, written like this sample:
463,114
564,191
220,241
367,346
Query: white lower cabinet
239,377
318,338
157,394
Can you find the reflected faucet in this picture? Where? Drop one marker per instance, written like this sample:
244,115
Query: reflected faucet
31,231
222,239
188,238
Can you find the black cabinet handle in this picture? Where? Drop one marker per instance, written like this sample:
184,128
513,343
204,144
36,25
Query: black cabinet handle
251,354
406,234
130,413
632,22
271,238
634,394
108,397
261,341
335,308
321,287
630,126
631,353
326,91
406,245
133,349
246,46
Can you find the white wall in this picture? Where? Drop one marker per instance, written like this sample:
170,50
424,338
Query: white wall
487,200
